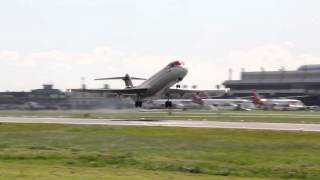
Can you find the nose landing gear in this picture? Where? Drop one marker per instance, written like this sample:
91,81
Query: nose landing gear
168,103
178,83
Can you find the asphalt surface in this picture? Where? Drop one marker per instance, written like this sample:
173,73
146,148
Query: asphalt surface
167,123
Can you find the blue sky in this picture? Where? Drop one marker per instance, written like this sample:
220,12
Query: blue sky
210,35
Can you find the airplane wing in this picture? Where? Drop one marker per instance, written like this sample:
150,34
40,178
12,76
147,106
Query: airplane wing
115,78
128,91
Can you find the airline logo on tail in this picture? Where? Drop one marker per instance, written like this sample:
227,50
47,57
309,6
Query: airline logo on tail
256,98
197,99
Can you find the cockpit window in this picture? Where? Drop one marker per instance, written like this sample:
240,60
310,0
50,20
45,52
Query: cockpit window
175,63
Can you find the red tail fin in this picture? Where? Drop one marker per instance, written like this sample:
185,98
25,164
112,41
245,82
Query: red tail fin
197,99
256,98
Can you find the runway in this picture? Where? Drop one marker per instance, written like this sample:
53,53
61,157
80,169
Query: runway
166,123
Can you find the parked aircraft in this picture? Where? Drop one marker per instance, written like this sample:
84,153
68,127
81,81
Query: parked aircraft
202,103
155,87
277,104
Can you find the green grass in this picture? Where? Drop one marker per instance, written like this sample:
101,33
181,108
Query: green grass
49,172
31,151
254,116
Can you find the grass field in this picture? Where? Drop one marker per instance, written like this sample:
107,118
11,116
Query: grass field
40,151
48,172
254,116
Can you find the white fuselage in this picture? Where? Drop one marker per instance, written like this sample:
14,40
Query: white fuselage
162,81
283,104
230,104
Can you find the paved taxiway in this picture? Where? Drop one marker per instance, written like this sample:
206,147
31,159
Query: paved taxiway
168,123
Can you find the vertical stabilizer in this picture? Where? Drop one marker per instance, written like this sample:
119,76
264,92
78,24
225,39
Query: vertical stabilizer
256,98
197,99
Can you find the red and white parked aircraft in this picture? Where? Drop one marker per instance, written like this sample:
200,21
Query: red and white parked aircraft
277,104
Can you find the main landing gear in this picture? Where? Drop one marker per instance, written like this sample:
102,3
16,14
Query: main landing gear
168,104
138,104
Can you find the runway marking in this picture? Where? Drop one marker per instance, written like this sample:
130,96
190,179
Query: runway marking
167,123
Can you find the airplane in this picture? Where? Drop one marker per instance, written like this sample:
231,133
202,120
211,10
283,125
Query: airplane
224,104
232,104
277,104
155,87
198,102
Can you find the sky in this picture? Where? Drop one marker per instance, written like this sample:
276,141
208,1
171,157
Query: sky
61,41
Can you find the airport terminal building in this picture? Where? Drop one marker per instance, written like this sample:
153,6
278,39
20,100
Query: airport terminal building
55,99
45,98
303,84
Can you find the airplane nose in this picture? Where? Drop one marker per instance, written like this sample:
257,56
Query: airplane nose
184,71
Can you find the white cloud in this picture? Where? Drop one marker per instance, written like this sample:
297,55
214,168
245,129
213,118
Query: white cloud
9,55
309,59
270,57
65,69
